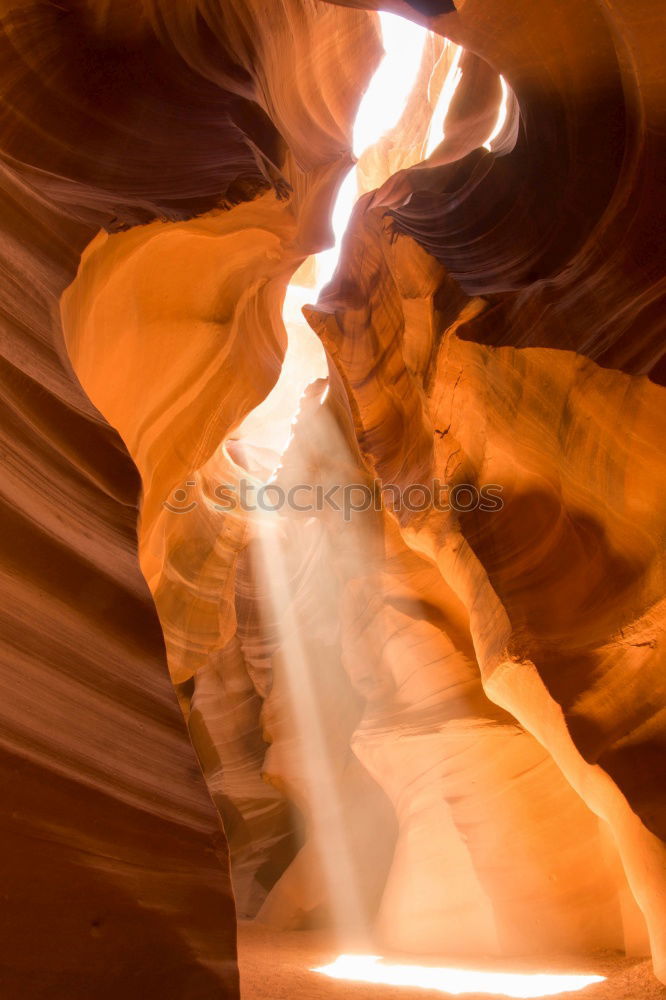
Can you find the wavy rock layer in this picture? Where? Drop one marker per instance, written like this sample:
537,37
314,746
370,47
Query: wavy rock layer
563,584
440,724
468,784
440,625
198,304
113,851
570,219
114,872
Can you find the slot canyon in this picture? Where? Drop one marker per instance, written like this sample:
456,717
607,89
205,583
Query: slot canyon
333,498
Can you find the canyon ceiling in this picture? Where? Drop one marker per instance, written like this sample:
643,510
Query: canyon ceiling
445,725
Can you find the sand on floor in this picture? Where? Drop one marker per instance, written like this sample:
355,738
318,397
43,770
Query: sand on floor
277,965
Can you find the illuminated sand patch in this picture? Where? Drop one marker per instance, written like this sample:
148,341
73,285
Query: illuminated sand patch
370,969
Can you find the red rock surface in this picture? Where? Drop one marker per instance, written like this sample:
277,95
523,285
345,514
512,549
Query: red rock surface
114,873
445,727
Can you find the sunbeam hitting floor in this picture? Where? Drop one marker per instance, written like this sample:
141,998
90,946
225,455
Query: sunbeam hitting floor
332,522
284,966
297,966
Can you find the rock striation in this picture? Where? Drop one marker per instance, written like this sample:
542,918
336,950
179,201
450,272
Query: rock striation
114,872
544,654
114,852
437,716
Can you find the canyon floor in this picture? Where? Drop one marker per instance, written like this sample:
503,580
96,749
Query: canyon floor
277,966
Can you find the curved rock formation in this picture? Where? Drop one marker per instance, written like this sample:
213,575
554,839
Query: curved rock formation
114,871
198,304
435,712
572,216
106,807
559,520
